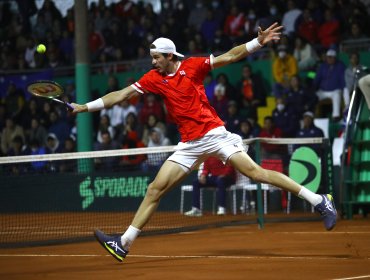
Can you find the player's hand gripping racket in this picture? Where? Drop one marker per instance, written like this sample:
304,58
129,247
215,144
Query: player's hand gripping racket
50,90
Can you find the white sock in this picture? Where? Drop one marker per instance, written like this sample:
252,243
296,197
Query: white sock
129,237
310,196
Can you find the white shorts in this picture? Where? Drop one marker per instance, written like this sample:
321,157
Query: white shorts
217,142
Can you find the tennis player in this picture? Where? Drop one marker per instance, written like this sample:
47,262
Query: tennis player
180,83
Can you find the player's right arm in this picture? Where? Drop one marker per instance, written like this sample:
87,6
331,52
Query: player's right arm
239,52
107,101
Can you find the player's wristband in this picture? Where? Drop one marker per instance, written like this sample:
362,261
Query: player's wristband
95,105
253,45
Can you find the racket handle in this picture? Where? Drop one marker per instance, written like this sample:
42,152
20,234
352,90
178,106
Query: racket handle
69,106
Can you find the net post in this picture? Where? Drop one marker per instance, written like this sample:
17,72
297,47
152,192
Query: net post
260,218
328,167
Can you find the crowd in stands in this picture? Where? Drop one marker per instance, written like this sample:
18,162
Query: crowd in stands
313,31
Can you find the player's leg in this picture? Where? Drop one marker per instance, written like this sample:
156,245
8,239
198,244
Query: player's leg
168,176
323,203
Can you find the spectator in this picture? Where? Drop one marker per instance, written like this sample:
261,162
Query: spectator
30,110
234,22
221,42
45,114
37,149
14,101
59,127
66,46
213,174
309,130
355,32
209,85
69,165
197,15
272,16
18,147
307,27
329,31
230,91
154,161
283,68
151,106
269,130
290,17
106,163
52,144
115,113
305,55
133,162
285,118
219,101
8,133
29,53
96,42
300,98
250,25
245,129
330,83
350,72
252,92
104,126
232,119
149,125
209,27
50,12
37,132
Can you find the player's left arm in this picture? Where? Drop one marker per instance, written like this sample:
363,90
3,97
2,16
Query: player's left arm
241,51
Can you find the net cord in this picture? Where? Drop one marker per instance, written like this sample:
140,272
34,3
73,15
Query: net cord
147,150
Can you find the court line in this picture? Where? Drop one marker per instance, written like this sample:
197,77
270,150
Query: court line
182,256
356,277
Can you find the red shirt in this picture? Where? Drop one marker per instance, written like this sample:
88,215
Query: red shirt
215,167
184,96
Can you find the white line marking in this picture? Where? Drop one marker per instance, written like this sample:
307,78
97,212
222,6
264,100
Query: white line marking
356,277
183,256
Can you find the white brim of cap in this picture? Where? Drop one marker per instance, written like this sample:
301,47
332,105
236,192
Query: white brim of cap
162,51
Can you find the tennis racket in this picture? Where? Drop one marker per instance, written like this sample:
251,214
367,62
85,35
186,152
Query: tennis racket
49,90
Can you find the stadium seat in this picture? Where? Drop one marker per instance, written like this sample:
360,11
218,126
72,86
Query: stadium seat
242,183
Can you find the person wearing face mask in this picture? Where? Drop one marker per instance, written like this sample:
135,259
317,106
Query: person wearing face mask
271,17
284,67
285,118
250,27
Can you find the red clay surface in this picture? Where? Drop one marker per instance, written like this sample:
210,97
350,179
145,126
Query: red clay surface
279,251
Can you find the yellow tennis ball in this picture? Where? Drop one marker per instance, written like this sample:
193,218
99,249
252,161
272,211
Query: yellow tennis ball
41,48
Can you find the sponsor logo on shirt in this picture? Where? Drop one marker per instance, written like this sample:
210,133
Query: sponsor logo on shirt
182,73
165,81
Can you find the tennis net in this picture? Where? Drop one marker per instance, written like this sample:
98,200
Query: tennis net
63,197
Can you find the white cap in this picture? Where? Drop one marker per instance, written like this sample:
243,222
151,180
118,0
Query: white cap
308,114
164,45
331,52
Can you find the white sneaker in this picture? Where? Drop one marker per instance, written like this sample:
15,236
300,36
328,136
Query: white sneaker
194,212
221,211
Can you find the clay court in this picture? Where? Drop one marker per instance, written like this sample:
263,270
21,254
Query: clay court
294,250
